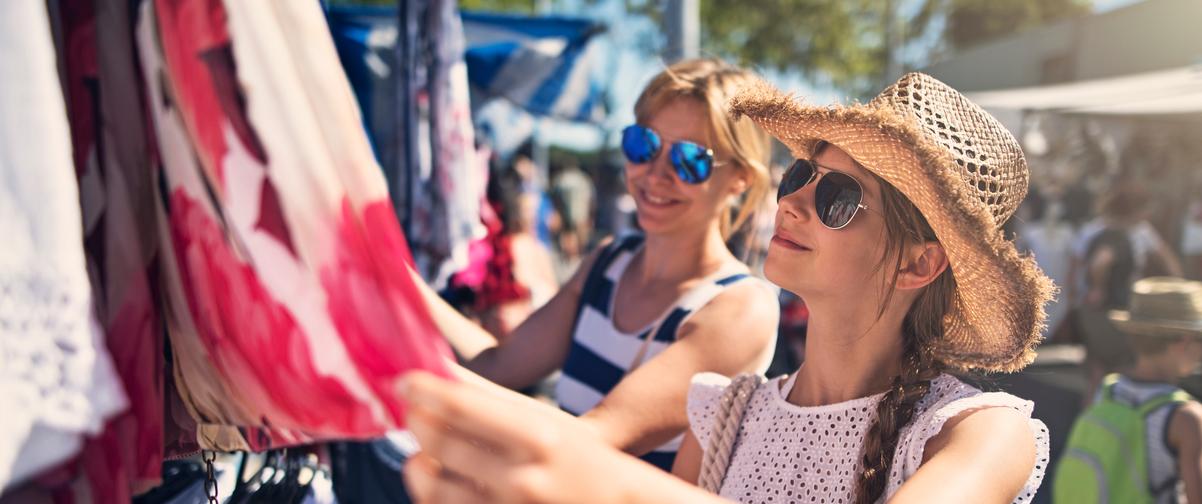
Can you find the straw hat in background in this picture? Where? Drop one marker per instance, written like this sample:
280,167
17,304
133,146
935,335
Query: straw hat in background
1162,306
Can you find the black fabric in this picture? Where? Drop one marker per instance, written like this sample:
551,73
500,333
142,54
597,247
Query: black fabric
178,476
368,472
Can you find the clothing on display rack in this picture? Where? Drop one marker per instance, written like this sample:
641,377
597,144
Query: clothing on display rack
112,159
57,381
415,102
278,236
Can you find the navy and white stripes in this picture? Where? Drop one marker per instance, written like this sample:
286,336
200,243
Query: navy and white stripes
601,354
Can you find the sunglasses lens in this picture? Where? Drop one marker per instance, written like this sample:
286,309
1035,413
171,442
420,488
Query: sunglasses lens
837,198
693,163
639,144
795,178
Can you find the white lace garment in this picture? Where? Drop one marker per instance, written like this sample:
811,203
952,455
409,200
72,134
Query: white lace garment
788,453
56,376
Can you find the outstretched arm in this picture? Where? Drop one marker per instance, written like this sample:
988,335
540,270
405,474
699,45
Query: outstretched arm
478,446
532,351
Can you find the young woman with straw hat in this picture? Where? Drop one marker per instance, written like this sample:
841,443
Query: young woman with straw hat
889,228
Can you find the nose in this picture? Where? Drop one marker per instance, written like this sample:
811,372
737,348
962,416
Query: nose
798,205
661,168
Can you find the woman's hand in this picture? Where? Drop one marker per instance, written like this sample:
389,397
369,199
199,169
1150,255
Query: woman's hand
480,446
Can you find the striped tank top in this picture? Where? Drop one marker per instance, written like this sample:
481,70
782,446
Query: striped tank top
601,354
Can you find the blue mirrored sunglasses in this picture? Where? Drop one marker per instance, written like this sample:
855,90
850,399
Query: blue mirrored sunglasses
694,163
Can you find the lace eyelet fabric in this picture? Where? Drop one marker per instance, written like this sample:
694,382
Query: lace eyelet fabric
788,453
55,373
45,349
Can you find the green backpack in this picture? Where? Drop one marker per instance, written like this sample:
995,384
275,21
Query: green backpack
1106,458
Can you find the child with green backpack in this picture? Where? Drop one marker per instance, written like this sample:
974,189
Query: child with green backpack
1141,440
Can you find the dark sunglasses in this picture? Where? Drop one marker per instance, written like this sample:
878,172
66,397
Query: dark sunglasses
694,163
837,197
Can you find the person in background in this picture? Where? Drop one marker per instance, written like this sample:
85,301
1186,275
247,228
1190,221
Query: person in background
516,275
1117,248
1141,440
574,195
1109,254
644,313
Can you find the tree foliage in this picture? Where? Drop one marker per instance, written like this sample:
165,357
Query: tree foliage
844,43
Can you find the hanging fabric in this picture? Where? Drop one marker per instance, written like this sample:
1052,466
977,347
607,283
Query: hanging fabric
112,162
410,78
289,305
455,179
56,379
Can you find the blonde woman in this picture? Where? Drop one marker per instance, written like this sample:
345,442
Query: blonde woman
890,228
647,312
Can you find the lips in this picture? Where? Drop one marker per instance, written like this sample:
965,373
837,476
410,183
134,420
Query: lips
655,201
787,242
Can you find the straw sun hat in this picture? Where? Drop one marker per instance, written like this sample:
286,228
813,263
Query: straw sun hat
965,173
1162,306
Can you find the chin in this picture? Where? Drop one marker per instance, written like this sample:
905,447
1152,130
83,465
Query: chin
779,273
647,226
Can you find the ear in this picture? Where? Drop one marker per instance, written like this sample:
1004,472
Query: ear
923,263
740,183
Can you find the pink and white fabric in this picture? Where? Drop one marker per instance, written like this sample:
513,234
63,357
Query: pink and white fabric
291,310
112,163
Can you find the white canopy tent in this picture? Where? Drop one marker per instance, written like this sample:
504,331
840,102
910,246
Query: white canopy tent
1176,91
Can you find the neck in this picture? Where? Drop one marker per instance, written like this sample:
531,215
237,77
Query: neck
850,353
682,255
1154,368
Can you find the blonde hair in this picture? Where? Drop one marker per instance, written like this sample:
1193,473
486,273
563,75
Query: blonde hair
712,82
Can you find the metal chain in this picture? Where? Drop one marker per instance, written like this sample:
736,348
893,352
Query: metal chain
210,480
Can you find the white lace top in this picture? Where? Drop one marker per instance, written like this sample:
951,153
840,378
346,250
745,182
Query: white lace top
789,453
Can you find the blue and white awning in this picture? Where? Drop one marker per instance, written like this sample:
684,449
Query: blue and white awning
539,63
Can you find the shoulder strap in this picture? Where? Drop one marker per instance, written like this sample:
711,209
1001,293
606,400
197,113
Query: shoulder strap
1177,396
1108,383
604,259
596,272
716,457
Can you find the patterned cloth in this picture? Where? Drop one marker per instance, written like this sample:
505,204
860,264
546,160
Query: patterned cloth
290,309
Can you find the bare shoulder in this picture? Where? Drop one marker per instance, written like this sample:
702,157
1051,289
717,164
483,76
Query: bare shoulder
1185,426
1189,414
749,299
1000,434
746,308
992,425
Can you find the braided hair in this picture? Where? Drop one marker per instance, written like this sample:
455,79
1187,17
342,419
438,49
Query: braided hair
923,325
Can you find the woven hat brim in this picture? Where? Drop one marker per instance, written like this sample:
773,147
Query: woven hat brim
1138,325
997,316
